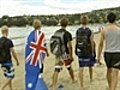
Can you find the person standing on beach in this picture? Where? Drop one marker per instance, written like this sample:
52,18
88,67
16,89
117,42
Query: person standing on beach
35,52
67,56
85,49
6,61
111,35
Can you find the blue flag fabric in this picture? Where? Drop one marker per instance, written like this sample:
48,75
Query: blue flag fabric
41,85
35,52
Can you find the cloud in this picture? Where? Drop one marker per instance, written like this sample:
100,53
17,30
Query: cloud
82,4
71,6
15,8
105,4
12,8
21,7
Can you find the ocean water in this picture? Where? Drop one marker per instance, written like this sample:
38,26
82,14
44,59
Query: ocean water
19,34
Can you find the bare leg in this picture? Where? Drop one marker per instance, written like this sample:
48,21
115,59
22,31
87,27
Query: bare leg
81,79
10,85
109,71
7,82
72,75
114,79
55,77
91,73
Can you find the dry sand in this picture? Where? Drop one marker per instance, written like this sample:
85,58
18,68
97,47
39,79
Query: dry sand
99,82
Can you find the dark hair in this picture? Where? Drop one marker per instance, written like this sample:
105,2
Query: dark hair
64,22
84,20
111,17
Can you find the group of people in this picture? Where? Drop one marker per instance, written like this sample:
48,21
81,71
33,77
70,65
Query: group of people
61,46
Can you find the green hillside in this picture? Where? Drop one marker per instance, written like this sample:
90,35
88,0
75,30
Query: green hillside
96,16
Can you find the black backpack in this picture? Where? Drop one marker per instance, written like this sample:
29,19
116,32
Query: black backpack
83,44
57,45
3,53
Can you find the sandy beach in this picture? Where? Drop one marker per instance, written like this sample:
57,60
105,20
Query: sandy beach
99,82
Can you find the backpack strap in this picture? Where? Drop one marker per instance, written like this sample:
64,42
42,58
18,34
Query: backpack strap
60,34
85,30
3,41
89,32
4,51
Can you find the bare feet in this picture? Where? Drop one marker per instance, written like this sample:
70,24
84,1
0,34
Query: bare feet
53,88
91,80
74,81
51,85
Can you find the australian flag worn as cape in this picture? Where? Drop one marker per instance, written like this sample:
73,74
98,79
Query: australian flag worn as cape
35,52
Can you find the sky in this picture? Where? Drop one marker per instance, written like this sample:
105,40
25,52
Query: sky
47,7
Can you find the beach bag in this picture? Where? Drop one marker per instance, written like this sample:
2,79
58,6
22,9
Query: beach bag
83,42
57,45
3,53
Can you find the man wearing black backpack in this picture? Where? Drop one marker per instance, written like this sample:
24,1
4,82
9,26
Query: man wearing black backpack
85,46
6,48
61,47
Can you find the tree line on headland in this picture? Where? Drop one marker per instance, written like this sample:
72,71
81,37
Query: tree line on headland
95,16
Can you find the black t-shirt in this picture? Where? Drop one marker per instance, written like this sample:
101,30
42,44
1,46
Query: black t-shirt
67,38
7,45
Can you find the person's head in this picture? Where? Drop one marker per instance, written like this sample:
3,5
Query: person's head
4,30
84,20
64,22
111,17
37,24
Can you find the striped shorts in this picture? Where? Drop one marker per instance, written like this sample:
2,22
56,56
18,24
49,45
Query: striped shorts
8,70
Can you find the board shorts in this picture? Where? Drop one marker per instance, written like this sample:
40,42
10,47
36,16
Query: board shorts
112,60
59,63
88,62
8,70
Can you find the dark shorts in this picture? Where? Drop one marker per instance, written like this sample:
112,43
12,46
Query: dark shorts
89,62
41,70
8,70
112,60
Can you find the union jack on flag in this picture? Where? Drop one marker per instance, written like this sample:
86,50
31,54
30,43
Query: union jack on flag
37,47
35,52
